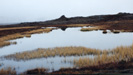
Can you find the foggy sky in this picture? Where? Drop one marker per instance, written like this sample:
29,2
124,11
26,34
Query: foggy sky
15,11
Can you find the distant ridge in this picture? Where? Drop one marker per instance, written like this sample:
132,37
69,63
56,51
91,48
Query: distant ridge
82,20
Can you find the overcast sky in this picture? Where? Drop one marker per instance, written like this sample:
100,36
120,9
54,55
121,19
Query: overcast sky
15,11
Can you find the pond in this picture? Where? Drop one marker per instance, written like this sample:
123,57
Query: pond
69,37
61,38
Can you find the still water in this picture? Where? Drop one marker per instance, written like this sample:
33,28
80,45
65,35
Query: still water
60,38
69,37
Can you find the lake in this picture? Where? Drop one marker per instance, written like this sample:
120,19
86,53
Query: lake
61,38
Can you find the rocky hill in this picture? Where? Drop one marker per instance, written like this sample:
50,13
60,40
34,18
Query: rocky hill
81,20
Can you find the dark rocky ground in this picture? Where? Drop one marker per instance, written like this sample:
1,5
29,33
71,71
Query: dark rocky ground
120,21
120,68
78,20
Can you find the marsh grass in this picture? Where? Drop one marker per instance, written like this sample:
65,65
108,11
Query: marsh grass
77,25
11,37
4,39
116,31
94,28
7,71
4,44
89,29
46,30
28,35
123,53
51,52
12,28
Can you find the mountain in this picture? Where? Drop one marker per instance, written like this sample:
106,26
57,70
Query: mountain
81,20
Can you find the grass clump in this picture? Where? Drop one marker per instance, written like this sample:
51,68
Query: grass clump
116,55
58,51
116,31
39,31
8,71
13,28
4,44
93,28
11,37
77,25
4,39
89,29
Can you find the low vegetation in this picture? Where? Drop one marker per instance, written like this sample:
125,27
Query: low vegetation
13,28
89,29
116,55
7,71
116,31
58,51
77,25
94,28
39,31
123,53
4,44
4,39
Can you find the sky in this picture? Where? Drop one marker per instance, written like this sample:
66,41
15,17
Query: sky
16,11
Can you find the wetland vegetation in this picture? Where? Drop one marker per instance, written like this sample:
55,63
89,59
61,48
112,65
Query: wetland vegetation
58,50
4,40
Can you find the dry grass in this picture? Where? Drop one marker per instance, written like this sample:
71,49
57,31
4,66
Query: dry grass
8,71
94,28
116,31
4,39
77,25
58,51
89,29
116,55
27,35
11,37
4,44
39,31
12,28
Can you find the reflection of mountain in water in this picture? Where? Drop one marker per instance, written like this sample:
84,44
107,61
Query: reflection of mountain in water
63,28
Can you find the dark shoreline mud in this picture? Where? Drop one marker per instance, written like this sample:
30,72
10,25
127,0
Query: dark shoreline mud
120,68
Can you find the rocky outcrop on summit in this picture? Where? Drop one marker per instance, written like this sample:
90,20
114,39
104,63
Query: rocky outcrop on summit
91,19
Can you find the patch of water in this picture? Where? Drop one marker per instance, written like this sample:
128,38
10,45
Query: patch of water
51,63
69,37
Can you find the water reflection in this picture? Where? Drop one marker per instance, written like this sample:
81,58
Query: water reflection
63,28
51,63
69,37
